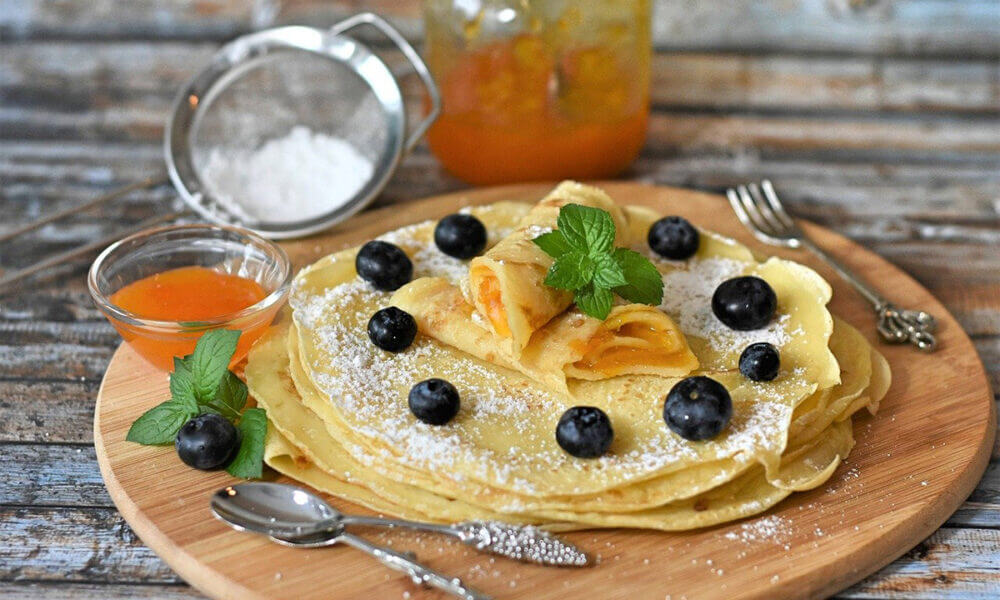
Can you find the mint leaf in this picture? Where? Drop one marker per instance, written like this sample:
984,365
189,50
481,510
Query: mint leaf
591,230
553,243
595,302
570,271
608,273
249,460
182,385
210,361
232,393
160,424
644,282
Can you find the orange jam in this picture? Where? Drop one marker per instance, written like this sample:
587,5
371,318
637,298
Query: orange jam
518,110
188,295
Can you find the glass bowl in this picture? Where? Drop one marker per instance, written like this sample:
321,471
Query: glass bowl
229,250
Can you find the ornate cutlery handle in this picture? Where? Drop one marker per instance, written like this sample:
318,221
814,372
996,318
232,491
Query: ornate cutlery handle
522,543
419,573
896,326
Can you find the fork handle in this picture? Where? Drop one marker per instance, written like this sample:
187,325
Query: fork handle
895,325
420,574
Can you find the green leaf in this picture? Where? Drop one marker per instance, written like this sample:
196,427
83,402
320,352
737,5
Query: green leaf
160,424
570,272
608,273
182,385
644,282
210,361
249,460
589,229
553,243
595,302
232,392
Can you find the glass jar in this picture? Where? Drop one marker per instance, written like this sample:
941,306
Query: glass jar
538,90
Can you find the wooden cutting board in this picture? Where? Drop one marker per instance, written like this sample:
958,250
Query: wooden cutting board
911,468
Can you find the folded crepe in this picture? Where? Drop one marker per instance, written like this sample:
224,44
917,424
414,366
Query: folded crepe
506,284
635,339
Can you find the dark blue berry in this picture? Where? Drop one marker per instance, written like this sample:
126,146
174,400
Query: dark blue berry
434,401
673,237
383,265
697,408
744,303
584,432
760,362
392,329
207,442
461,236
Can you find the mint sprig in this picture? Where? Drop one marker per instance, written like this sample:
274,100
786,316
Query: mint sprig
588,264
202,383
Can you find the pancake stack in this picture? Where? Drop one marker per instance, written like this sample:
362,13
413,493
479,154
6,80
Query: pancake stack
521,354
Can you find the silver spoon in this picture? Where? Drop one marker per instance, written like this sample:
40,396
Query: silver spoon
291,514
419,573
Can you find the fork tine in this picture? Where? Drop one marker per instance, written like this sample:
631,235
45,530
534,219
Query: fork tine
760,224
767,215
741,213
776,206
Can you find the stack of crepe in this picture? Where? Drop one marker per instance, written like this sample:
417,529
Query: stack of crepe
520,354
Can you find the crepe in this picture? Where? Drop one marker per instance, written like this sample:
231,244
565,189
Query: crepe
337,403
635,339
506,283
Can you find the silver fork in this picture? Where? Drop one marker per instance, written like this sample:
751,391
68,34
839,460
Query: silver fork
760,210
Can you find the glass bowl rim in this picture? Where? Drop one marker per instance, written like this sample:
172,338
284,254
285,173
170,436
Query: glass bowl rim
129,318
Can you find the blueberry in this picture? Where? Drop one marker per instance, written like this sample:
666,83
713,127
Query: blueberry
384,265
760,362
673,237
206,442
434,401
697,408
461,236
392,329
584,432
744,303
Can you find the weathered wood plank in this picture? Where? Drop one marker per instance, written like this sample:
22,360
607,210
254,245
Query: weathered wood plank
47,412
912,27
86,545
80,75
883,137
92,591
51,475
955,564
54,361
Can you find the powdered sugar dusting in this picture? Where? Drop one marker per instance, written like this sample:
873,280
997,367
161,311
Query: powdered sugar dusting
687,297
368,386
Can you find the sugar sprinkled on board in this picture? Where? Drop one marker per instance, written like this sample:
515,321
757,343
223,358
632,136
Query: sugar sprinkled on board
299,176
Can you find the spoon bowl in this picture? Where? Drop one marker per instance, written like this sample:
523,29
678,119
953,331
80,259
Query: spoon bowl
281,511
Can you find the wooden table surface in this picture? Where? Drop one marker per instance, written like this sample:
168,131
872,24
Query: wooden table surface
877,118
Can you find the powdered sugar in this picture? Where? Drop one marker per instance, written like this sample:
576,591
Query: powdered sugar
687,297
293,178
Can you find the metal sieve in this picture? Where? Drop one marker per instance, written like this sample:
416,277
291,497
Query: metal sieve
260,86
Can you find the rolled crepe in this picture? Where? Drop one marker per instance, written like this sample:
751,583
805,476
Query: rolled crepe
635,338
506,284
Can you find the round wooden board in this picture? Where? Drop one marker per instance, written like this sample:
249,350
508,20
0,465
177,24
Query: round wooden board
911,468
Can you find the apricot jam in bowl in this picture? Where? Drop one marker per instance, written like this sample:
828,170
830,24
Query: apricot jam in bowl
163,288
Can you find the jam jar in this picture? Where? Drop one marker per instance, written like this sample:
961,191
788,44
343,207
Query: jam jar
537,90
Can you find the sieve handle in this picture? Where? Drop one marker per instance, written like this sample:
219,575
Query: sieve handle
395,37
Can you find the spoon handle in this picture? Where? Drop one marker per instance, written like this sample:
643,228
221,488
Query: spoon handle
419,573
521,543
